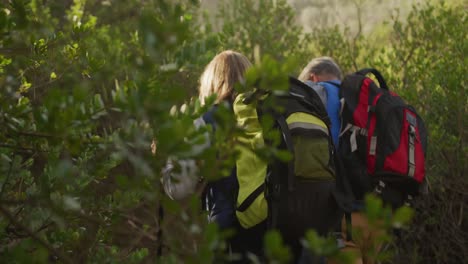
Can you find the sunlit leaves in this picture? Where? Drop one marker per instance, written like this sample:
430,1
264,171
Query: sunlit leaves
267,75
402,217
157,35
88,85
266,25
275,250
19,13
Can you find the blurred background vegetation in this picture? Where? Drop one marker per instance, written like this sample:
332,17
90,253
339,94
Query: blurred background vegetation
86,85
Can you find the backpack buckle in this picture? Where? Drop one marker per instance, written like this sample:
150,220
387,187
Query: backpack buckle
340,242
379,188
409,200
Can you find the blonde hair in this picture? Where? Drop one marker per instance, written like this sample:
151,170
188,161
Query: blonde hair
221,74
320,66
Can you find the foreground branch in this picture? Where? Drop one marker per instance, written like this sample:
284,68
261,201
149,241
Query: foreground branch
41,241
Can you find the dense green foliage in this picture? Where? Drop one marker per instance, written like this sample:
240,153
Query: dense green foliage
424,60
86,85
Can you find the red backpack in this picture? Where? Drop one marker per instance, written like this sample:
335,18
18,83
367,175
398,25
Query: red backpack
383,140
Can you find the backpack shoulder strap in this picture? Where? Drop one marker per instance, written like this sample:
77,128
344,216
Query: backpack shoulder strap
377,74
349,226
309,98
290,145
351,88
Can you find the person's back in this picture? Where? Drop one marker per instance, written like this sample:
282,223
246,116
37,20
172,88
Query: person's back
219,197
324,75
299,194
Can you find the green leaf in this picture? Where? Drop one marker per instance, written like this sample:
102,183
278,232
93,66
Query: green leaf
373,208
275,248
71,203
402,216
5,157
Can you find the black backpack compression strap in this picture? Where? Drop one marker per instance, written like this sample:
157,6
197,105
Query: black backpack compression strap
159,234
380,78
289,144
349,231
251,198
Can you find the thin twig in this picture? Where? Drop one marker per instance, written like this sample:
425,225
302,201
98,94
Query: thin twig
8,175
358,33
15,51
17,148
36,134
41,241
460,219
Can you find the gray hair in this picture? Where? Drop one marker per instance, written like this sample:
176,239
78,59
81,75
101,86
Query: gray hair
319,66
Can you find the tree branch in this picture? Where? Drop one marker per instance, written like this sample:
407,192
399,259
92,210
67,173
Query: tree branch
8,176
17,148
358,33
33,235
36,134
15,51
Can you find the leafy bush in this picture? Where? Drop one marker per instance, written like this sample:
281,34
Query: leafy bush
423,61
87,86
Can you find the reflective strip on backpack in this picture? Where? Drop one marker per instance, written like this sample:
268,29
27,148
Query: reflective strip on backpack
373,145
307,121
311,148
346,128
411,161
307,126
352,140
342,105
363,132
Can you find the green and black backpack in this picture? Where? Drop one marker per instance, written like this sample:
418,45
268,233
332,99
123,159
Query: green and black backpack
287,194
